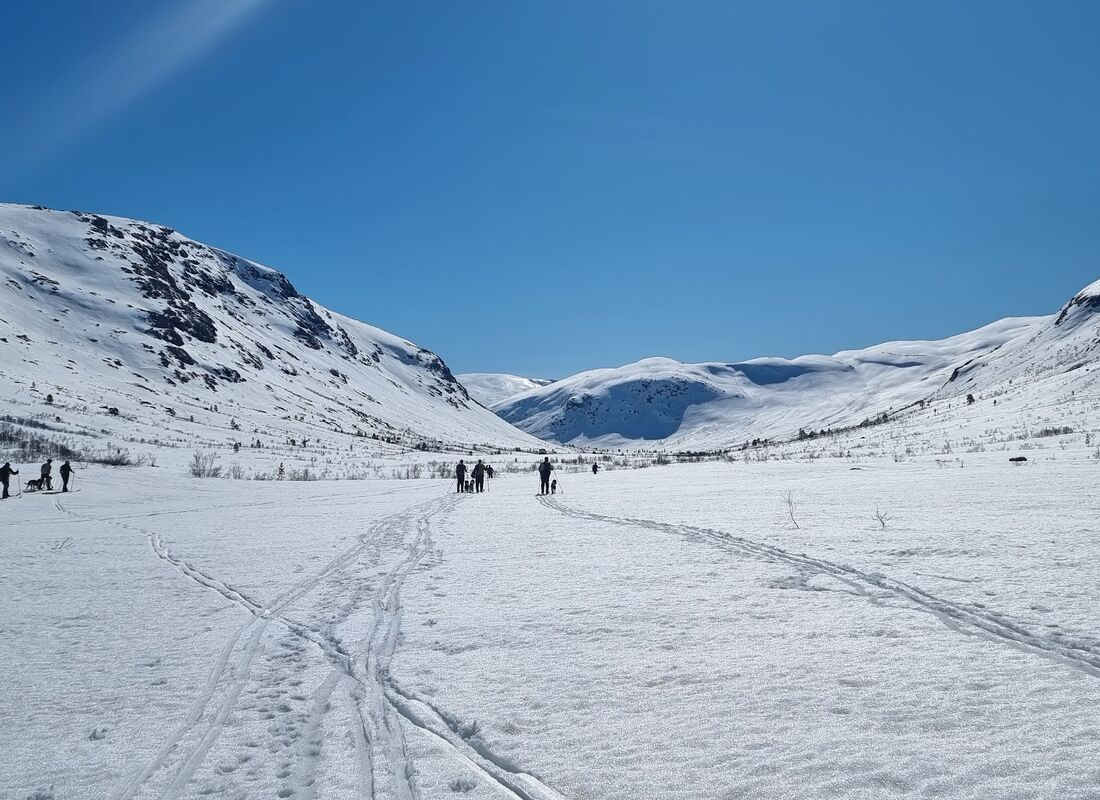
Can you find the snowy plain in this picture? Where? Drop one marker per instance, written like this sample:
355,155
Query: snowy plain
661,633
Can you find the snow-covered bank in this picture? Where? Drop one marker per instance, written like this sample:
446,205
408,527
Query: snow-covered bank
662,633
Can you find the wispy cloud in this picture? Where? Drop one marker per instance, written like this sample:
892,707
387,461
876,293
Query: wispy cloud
155,51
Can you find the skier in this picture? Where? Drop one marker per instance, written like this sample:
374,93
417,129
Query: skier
5,475
65,471
460,473
47,468
545,468
479,476
595,468
489,471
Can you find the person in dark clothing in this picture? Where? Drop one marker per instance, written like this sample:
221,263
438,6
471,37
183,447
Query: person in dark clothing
489,471
545,468
47,468
479,476
460,473
65,471
595,467
5,476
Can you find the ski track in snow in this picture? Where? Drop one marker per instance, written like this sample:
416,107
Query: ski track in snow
1078,651
254,630
376,703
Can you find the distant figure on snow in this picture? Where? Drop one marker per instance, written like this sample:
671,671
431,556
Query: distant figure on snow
545,468
5,476
65,471
595,467
479,476
460,473
47,469
489,471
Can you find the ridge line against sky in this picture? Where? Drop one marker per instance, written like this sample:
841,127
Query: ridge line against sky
542,191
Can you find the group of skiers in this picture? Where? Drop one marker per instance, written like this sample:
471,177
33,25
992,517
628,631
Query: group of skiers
478,474
482,470
44,480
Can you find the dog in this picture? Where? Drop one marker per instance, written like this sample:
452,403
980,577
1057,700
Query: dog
469,486
35,485
554,486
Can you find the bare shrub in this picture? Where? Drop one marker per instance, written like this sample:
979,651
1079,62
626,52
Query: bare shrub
881,517
788,501
205,465
302,474
112,458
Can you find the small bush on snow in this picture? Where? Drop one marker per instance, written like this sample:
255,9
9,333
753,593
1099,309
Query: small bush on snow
205,465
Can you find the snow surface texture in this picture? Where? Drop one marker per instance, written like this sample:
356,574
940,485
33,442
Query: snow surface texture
141,334
490,388
664,633
665,403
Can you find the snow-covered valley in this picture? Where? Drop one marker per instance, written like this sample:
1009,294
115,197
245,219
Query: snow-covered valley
662,633
825,578
490,388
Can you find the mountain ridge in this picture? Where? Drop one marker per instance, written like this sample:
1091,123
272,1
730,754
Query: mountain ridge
715,405
114,313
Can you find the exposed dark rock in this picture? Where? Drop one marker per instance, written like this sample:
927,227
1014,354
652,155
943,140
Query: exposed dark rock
182,356
227,374
1088,302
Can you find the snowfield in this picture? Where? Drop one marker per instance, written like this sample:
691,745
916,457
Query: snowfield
662,633
490,388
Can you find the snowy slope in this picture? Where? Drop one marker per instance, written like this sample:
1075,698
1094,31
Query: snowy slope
1059,344
713,405
139,332
491,388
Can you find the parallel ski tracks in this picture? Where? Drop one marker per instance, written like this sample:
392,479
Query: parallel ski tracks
1078,651
252,635
377,706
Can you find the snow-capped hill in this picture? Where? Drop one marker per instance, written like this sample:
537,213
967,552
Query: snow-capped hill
491,388
135,321
716,405
1082,307
1059,344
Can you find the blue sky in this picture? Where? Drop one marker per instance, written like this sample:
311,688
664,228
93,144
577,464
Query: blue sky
542,187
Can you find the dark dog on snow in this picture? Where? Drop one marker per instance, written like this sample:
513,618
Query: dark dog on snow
35,485
554,486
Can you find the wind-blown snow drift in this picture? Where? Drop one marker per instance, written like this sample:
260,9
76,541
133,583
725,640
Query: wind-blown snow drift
147,328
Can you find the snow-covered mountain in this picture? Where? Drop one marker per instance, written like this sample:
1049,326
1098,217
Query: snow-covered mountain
1059,344
149,334
491,388
659,401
